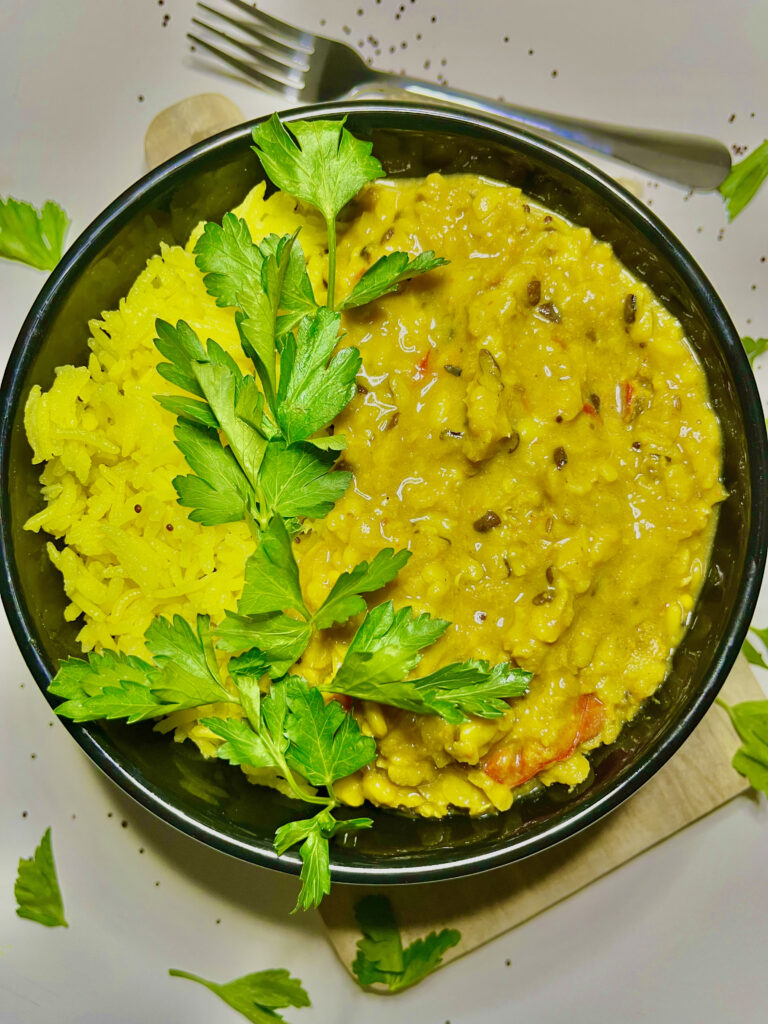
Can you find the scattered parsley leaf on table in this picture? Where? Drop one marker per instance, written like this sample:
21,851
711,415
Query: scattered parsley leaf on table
753,656
326,169
31,236
387,273
746,177
750,720
256,996
37,888
381,958
754,347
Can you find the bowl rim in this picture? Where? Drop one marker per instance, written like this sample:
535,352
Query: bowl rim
98,233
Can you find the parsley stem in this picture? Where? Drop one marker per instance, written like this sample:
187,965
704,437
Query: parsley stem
185,974
303,795
331,225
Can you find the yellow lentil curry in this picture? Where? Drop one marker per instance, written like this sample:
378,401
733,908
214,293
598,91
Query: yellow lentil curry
530,423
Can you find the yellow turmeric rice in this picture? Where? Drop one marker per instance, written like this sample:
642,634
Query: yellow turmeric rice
531,423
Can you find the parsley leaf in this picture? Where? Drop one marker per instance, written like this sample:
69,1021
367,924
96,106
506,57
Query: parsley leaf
182,348
381,958
272,575
453,692
386,646
232,264
296,480
291,730
746,177
230,261
243,745
258,474
256,996
278,638
314,835
31,236
314,387
344,599
326,743
188,671
387,273
217,491
258,326
112,685
297,299
754,347
107,685
37,892
753,656
326,169
750,720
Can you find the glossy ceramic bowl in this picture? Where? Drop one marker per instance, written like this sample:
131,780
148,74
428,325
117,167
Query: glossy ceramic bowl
210,800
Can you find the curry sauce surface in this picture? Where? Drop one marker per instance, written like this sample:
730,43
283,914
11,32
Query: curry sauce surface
532,425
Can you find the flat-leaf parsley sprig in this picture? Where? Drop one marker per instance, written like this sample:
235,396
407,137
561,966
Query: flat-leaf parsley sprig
259,450
326,167
381,958
256,996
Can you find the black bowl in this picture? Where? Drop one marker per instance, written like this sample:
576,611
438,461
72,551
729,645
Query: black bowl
213,802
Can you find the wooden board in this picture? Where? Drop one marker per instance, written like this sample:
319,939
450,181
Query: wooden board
698,779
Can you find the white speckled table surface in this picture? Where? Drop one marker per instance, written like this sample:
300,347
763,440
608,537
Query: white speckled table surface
678,934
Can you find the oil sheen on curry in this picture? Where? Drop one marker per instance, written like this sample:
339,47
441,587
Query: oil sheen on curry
530,423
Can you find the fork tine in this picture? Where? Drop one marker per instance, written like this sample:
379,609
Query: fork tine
247,69
289,75
305,40
274,48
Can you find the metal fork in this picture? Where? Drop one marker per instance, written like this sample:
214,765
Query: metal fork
302,66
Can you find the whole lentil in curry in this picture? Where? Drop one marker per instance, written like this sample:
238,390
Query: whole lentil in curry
530,422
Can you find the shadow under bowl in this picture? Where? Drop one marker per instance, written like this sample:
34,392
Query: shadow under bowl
208,799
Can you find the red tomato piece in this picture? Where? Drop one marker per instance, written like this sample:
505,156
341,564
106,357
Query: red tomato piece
514,767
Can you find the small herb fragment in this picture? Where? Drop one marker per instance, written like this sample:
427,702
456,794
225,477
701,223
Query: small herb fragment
256,996
746,177
31,236
381,958
387,273
750,720
37,892
754,347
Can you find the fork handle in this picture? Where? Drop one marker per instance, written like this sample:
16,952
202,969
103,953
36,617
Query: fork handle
691,160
